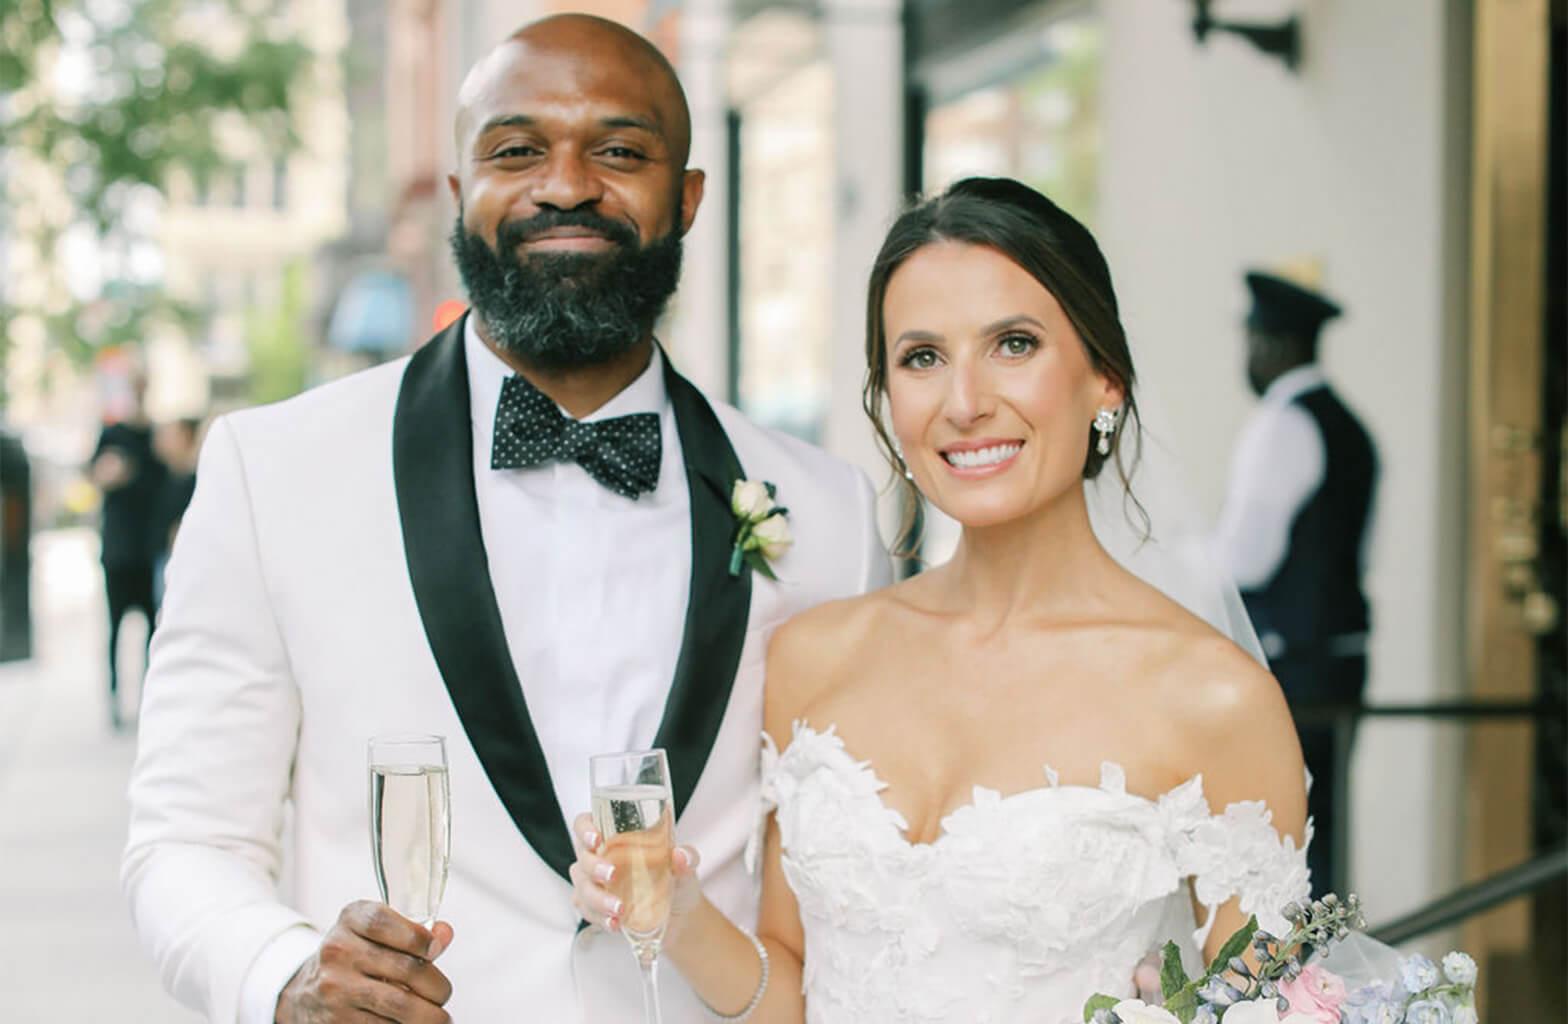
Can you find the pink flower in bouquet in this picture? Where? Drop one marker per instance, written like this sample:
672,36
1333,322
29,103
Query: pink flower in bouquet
1315,995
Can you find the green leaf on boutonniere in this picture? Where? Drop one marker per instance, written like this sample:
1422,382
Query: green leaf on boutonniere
759,563
1098,1003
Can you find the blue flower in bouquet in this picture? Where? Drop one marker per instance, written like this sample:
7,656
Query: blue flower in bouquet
1373,1013
1459,968
1218,992
1419,974
1428,1011
1371,1004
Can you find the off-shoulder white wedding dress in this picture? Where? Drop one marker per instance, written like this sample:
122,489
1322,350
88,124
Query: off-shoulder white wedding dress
1023,907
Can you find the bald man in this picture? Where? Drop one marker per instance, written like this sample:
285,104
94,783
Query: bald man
521,540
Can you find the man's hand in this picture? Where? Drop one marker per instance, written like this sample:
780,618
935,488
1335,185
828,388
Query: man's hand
373,965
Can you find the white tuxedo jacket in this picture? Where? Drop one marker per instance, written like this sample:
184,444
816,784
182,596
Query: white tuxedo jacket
330,583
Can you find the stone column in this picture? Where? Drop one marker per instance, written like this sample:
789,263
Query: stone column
698,333
866,45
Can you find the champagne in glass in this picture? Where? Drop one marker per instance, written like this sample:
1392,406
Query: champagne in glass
635,813
410,823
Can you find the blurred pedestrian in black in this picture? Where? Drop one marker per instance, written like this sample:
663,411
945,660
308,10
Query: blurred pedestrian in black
177,443
1295,527
132,477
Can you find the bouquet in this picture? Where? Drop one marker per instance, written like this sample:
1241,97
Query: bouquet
1289,982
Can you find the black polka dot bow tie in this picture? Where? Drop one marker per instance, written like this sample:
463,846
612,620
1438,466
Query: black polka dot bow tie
621,453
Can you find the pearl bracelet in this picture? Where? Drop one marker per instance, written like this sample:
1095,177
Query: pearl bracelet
762,985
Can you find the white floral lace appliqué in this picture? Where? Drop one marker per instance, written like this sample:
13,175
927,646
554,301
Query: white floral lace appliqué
1024,904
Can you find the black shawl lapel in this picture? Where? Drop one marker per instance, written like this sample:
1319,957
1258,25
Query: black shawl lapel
433,469
718,605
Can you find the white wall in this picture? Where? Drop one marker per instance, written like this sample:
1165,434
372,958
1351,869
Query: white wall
1216,158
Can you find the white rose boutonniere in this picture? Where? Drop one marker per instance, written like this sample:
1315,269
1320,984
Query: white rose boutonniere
762,533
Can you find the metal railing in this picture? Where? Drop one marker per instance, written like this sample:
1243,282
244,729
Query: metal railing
1476,898
1468,900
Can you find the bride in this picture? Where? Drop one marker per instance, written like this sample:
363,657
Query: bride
999,784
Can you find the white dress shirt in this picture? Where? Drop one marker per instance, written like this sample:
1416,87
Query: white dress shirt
592,589
592,586
1279,464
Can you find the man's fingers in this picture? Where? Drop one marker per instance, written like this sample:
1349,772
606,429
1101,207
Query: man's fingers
388,1001
421,977
357,1016
384,926
444,935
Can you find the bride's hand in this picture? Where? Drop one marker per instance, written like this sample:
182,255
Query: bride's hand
593,877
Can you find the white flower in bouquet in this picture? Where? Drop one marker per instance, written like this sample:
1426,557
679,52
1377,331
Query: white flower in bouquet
1136,1011
1262,1011
750,500
1418,974
1459,968
1428,1011
1255,1011
1465,1015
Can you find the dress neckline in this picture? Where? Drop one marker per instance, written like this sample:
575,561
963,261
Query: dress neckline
1113,783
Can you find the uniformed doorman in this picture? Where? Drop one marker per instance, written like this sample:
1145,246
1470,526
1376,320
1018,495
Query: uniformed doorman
1295,528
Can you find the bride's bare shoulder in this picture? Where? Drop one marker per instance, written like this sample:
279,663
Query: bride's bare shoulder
1229,716
820,650
826,634
1217,682
1205,681
1197,671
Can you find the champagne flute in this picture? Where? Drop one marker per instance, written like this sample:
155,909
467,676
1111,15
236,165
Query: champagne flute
410,823
635,813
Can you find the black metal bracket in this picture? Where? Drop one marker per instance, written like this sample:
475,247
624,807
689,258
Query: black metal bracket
1282,40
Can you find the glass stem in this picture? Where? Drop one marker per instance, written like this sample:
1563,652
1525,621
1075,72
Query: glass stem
648,966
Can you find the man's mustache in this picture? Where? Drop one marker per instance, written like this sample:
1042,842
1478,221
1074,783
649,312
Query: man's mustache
513,233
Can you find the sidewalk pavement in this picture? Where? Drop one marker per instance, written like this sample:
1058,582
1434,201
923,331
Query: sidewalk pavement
68,954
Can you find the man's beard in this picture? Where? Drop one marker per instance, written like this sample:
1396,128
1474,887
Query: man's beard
566,310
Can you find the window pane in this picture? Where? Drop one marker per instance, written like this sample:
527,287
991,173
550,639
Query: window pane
786,253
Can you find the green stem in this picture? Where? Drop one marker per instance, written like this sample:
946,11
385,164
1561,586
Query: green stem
1437,990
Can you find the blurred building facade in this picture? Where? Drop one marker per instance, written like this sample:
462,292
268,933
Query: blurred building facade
236,246
240,244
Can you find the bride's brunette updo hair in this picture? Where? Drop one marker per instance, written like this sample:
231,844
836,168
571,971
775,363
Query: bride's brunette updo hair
1057,251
